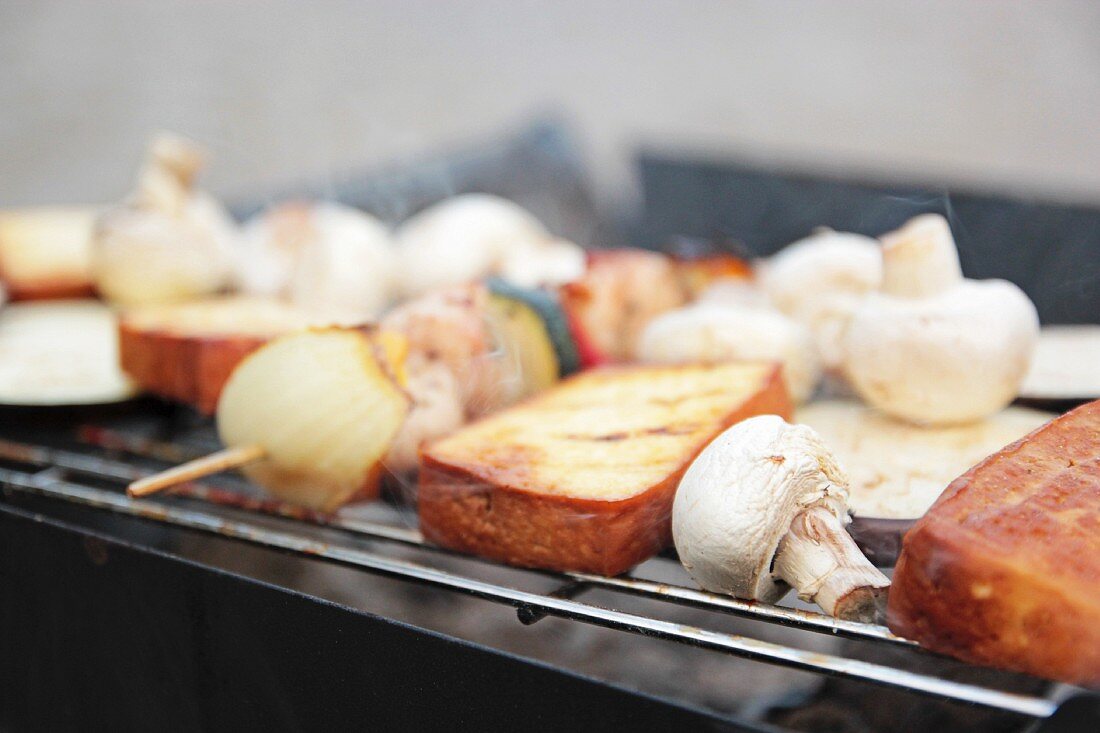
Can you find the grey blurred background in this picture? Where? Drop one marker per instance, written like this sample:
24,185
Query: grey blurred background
1001,96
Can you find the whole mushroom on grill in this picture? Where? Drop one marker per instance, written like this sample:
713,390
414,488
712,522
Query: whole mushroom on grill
546,262
762,509
711,332
335,262
933,347
820,280
346,274
465,238
170,241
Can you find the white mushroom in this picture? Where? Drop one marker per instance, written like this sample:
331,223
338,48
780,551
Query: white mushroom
270,245
933,347
335,262
715,332
763,508
737,292
346,273
820,280
462,239
546,262
170,241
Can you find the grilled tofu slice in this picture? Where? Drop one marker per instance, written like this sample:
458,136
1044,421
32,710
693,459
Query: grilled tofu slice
46,253
582,477
186,351
1004,569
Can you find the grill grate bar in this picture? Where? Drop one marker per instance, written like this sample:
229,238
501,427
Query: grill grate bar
46,483
791,617
761,611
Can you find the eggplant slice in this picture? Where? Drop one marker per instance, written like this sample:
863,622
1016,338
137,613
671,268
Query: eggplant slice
1064,368
898,470
60,353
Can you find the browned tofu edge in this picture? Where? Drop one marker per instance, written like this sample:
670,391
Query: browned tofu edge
191,369
471,513
957,597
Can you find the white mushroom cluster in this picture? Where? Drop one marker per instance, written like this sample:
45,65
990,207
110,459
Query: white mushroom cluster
171,241
342,265
764,506
901,324
795,312
763,509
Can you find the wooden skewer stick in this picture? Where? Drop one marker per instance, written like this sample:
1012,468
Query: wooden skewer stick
223,460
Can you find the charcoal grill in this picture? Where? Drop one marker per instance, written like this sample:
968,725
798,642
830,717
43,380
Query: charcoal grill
77,470
202,609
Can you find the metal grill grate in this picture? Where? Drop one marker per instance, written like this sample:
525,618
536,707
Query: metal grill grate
78,477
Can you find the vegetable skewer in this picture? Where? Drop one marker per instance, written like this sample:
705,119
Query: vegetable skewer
223,460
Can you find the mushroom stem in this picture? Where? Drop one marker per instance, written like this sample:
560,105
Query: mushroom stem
819,559
920,259
169,173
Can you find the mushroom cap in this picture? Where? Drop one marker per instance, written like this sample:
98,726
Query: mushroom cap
738,498
953,357
270,242
820,281
735,292
148,255
805,272
346,272
543,262
714,332
462,239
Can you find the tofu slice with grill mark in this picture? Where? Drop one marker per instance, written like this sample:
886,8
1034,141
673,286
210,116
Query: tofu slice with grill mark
582,477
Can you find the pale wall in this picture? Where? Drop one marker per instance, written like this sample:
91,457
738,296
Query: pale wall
1005,94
